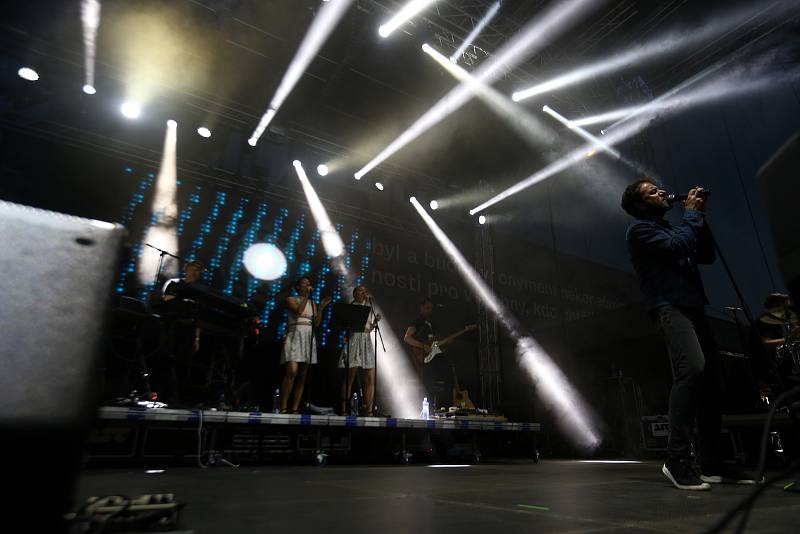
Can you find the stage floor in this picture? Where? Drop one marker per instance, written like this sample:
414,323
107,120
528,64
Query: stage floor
551,496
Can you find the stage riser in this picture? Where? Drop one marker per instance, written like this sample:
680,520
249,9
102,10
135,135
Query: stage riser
124,436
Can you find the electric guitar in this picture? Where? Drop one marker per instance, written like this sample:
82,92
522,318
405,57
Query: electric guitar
437,346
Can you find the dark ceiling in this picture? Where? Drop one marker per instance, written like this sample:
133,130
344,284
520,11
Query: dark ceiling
218,63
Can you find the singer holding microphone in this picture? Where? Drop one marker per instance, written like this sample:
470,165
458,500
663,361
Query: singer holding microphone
360,354
300,346
666,258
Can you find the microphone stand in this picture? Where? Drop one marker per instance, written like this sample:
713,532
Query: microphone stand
161,254
377,335
756,347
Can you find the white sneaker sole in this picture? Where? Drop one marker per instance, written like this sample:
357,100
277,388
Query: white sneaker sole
716,479
697,487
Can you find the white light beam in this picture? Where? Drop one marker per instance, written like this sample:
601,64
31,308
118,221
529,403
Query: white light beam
570,410
534,36
90,19
401,17
476,31
324,22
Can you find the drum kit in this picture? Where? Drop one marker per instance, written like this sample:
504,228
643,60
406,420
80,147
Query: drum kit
786,357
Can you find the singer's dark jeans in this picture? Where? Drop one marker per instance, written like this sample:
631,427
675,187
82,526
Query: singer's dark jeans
696,383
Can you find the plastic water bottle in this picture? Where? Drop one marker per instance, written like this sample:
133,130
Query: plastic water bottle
425,414
276,401
354,404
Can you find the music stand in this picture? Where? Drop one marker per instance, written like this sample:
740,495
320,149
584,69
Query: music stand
349,317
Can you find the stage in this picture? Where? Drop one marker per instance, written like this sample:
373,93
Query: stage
141,436
551,496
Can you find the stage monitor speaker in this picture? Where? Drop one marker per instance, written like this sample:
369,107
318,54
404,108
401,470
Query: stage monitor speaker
780,184
56,282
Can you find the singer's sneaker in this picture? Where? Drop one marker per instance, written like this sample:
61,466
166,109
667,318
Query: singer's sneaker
683,474
728,474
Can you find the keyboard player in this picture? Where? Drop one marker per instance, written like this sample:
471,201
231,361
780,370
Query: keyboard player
192,272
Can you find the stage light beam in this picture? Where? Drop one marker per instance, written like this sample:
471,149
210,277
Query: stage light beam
487,18
90,20
396,376
572,414
163,230
586,136
529,127
408,11
666,44
321,27
530,39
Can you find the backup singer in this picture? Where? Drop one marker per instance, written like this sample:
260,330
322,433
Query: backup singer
361,355
300,346
666,258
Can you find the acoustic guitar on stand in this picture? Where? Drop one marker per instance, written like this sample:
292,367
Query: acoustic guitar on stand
438,346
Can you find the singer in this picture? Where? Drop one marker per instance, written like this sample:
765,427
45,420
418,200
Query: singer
300,346
665,258
361,356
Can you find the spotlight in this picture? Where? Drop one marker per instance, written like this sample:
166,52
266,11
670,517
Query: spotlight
482,219
172,124
204,132
89,89
409,10
131,110
379,186
434,205
27,73
252,141
322,169
412,199
264,261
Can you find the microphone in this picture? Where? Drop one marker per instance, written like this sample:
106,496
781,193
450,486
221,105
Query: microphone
705,193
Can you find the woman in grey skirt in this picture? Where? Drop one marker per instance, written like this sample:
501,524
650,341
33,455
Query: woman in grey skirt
300,346
361,356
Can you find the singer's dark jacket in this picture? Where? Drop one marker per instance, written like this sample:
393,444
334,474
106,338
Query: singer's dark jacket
665,257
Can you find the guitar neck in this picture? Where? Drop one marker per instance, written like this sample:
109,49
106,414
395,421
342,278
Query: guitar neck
451,337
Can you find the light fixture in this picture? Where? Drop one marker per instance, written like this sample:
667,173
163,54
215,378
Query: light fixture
481,219
406,13
89,89
27,73
379,186
434,205
264,261
322,169
204,132
172,123
130,110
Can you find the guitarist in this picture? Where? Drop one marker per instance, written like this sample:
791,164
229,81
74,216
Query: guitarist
421,333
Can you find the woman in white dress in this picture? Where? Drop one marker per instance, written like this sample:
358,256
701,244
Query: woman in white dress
300,346
361,356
